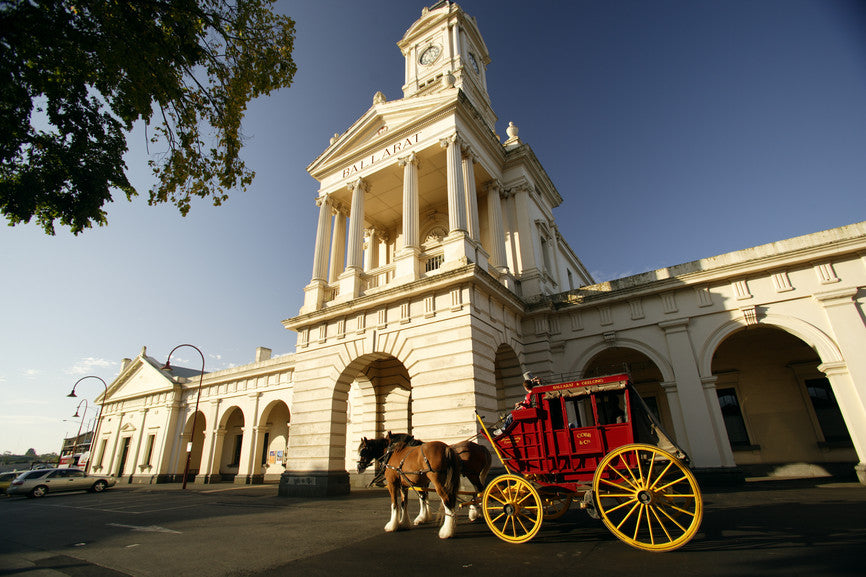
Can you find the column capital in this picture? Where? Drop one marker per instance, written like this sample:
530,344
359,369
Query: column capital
449,140
669,387
468,153
836,297
324,199
337,208
834,368
674,326
494,185
709,383
357,184
410,158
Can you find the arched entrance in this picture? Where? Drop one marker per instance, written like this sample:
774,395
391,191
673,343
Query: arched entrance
780,411
272,441
230,444
196,438
376,390
509,379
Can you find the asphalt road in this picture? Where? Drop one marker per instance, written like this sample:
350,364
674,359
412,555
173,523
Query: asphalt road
789,528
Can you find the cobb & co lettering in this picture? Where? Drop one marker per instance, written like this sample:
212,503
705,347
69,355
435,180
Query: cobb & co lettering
384,154
584,438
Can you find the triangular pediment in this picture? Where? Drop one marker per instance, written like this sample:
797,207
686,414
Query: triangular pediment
382,123
127,428
140,377
429,18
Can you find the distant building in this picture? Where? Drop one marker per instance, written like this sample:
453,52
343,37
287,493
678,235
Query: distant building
75,450
439,274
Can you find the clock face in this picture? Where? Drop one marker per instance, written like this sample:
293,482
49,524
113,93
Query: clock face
430,55
473,62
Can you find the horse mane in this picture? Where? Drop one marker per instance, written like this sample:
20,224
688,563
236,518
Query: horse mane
397,441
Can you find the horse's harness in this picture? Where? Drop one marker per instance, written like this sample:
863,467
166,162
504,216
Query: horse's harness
404,475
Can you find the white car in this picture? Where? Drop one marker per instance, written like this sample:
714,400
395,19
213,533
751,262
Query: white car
42,481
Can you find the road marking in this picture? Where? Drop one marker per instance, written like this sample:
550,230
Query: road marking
148,529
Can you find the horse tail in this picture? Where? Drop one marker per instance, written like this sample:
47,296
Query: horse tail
452,476
485,469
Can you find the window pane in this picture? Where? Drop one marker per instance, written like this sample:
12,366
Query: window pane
827,410
733,416
610,407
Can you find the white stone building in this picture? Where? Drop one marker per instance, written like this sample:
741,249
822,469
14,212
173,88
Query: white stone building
439,275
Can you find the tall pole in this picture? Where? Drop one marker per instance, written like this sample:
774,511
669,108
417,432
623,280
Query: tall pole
78,436
98,416
189,445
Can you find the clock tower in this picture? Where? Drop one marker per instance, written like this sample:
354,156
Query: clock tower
444,50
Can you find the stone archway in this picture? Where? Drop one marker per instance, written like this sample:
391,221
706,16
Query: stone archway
272,441
229,448
645,375
372,396
508,375
197,438
779,409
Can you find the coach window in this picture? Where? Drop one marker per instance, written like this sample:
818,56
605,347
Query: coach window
610,407
579,412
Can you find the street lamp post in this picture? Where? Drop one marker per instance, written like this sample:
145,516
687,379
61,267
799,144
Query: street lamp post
78,436
167,367
98,415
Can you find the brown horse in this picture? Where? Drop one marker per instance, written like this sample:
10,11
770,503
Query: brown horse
475,460
408,466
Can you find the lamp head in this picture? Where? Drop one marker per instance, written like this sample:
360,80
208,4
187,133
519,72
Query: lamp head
166,366
76,413
72,394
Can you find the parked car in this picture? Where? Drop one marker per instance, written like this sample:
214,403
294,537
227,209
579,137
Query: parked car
38,483
6,479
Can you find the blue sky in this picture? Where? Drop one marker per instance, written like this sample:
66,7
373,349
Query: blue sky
674,130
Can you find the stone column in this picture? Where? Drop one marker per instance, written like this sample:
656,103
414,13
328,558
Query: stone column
113,464
372,252
848,377
554,257
411,216
338,245
718,421
210,446
470,194
249,468
456,189
407,265
679,432
497,230
138,466
458,249
350,280
701,441
354,259
323,232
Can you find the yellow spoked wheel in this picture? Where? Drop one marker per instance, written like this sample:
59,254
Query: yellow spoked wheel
647,498
512,508
555,506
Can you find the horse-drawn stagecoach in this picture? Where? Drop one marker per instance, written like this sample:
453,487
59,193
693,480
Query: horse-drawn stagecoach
592,439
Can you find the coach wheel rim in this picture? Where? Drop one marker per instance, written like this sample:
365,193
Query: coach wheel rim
555,506
512,509
647,498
